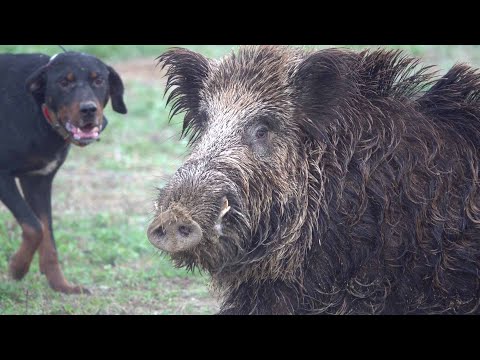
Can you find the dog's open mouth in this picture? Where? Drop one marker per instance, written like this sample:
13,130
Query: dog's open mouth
87,132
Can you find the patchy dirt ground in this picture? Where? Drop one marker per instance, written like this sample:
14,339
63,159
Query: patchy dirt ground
141,69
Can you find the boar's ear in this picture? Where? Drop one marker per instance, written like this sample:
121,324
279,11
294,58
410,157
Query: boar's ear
320,85
186,72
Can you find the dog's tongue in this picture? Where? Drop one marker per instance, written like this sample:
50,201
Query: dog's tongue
83,134
93,133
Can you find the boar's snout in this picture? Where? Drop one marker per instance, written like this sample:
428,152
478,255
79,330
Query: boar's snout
174,231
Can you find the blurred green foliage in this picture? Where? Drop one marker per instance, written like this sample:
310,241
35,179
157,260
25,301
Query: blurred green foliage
442,55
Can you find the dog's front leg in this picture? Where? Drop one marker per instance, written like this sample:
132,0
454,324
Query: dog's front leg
37,190
32,231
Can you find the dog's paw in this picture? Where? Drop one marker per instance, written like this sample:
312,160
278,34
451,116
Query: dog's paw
79,290
70,289
18,267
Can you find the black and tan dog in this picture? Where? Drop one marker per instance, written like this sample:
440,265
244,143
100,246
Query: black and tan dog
47,103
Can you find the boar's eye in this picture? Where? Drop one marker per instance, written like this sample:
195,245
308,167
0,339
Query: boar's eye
259,139
261,132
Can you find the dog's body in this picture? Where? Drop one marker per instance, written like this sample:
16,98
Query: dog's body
45,105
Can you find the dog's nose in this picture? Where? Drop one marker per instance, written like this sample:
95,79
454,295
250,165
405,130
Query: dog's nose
88,108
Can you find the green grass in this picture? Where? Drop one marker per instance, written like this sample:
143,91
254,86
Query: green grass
111,256
103,199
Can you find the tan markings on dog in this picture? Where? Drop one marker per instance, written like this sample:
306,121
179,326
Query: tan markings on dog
99,106
72,113
64,113
20,261
69,113
93,75
70,77
49,265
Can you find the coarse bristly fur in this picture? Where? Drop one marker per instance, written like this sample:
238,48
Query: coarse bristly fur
353,180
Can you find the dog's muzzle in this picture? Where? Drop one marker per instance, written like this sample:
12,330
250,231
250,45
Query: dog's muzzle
74,134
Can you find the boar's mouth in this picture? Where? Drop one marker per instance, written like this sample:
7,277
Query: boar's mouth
175,231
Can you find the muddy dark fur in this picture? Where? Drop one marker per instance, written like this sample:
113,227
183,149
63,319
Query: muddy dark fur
365,199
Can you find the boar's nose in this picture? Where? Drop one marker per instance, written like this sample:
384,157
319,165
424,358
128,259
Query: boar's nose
172,232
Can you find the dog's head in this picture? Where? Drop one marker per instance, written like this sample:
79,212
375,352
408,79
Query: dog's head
73,89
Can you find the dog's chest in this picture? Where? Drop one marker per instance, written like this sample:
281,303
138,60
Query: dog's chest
40,164
48,168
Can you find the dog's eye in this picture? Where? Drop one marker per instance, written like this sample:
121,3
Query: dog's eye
98,81
64,83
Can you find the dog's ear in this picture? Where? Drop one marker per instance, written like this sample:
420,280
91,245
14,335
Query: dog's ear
116,91
35,84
